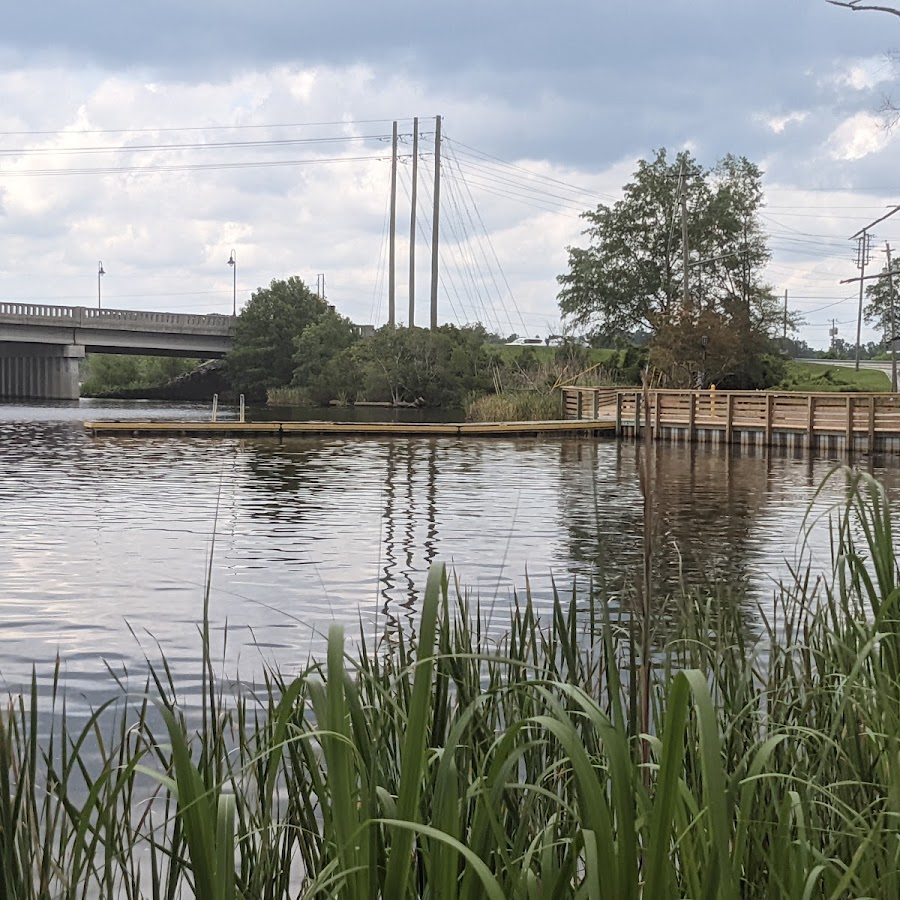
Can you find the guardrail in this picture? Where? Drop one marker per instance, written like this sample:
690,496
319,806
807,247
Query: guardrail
88,317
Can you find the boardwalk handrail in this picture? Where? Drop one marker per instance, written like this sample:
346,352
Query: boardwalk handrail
87,317
853,416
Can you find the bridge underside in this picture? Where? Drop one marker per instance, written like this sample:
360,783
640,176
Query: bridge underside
41,346
39,371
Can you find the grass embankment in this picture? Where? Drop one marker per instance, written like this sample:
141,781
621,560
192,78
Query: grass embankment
815,377
552,762
514,406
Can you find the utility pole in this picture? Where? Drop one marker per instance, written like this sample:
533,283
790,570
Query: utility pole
862,257
887,249
392,286
685,249
784,328
833,333
435,222
412,224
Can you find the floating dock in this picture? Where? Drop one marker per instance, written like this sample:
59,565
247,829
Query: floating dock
566,427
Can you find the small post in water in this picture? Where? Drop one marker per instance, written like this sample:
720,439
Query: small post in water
242,408
215,408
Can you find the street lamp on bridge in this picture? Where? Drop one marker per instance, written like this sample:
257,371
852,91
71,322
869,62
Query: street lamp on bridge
99,273
232,261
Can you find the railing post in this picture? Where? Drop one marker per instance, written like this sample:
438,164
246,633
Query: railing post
729,412
579,407
768,418
637,414
810,422
242,408
596,404
656,412
215,407
692,417
618,414
871,423
849,423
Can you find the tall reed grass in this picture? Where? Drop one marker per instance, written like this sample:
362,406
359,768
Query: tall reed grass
514,406
459,764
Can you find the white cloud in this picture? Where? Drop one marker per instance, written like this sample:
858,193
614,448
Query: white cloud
858,136
777,124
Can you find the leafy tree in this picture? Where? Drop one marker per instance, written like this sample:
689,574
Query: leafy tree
878,308
324,367
105,372
631,275
436,368
266,334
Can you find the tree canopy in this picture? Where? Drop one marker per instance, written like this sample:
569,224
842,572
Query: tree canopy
266,334
878,307
631,275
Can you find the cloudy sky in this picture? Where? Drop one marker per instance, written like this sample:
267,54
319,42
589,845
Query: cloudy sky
160,137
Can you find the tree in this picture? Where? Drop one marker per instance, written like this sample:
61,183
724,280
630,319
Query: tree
436,368
878,308
324,367
857,6
631,275
266,334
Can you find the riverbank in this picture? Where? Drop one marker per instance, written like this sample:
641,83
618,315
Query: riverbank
589,752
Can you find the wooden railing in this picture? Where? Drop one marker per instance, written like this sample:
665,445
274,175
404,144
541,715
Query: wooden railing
848,415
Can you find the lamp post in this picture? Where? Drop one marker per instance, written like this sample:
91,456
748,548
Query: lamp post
232,261
100,272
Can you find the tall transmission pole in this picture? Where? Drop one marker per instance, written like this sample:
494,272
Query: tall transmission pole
685,249
863,248
887,248
412,224
435,222
392,281
784,326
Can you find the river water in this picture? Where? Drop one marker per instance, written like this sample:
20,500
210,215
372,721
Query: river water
107,544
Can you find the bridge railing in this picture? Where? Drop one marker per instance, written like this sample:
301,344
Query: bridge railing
88,317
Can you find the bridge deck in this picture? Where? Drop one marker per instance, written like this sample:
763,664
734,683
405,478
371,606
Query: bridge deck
353,429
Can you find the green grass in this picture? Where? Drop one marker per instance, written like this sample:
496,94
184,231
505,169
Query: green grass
814,377
478,762
510,354
514,406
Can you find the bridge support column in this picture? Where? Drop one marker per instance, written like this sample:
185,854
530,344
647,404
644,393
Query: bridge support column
39,371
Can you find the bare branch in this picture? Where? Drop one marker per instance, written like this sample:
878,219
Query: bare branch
854,5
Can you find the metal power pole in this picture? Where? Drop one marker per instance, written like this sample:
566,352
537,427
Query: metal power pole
412,224
100,273
862,257
685,249
784,327
435,222
887,248
392,286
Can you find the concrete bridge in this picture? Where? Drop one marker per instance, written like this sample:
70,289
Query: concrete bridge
40,346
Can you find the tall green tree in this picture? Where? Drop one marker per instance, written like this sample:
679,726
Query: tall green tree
266,334
631,275
323,364
877,311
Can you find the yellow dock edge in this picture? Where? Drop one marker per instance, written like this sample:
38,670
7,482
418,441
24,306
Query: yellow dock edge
353,429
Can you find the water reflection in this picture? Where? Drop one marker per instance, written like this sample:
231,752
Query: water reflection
105,543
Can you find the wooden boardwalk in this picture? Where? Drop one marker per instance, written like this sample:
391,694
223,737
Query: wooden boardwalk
826,420
355,429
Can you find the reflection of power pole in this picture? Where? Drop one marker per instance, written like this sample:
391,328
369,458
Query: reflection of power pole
863,255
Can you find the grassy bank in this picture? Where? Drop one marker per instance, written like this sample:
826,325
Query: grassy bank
514,406
814,377
552,758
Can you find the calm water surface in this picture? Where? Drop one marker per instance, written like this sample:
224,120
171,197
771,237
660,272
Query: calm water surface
105,543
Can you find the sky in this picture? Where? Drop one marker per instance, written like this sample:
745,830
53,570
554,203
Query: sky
161,138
